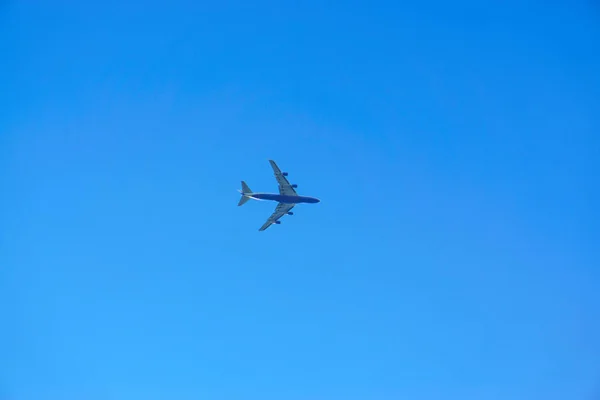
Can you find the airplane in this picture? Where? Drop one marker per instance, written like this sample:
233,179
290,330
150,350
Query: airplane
287,197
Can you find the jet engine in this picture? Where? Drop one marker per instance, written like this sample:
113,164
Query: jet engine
285,174
290,213
294,186
277,222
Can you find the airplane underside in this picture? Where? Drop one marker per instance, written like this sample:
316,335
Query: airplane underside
287,198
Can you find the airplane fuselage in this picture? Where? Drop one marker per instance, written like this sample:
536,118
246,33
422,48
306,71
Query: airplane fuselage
284,199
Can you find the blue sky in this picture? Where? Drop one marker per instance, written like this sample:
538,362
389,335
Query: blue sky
454,147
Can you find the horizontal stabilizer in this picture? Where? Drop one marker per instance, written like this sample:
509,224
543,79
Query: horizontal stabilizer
245,188
243,200
245,192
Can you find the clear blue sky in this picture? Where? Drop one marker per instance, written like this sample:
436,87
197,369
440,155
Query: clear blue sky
454,146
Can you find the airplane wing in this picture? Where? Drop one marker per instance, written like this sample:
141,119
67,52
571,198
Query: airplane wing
280,211
284,186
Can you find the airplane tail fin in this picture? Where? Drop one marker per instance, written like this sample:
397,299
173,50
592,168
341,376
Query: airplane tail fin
244,192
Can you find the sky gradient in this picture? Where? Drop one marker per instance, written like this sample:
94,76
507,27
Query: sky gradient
454,147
